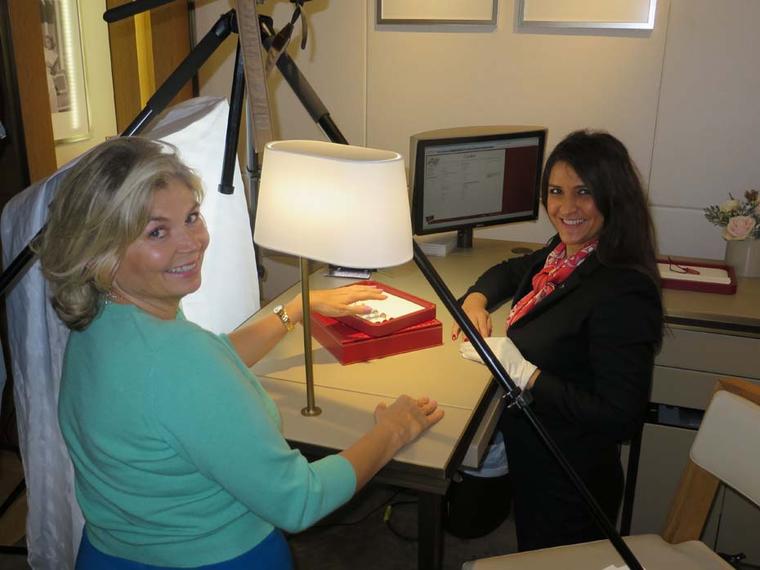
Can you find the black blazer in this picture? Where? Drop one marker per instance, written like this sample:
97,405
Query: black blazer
594,340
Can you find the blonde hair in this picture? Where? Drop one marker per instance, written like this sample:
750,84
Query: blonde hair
101,207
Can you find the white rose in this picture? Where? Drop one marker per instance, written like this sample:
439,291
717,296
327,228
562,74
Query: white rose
739,227
729,205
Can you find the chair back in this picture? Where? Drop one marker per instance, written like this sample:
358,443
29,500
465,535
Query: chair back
725,450
728,443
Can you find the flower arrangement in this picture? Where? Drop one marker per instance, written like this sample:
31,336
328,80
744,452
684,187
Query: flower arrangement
740,219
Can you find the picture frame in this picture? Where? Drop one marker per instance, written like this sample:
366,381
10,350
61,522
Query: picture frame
587,14
64,66
427,12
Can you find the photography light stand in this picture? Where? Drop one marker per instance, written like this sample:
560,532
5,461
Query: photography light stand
185,71
189,66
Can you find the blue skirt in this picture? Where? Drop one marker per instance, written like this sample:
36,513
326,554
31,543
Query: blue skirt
272,552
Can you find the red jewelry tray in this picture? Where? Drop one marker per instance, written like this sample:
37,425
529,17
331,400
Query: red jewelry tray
349,345
425,313
682,284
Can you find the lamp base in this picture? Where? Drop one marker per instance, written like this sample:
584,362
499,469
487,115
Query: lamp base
313,411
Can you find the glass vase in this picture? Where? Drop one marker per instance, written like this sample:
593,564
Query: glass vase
744,256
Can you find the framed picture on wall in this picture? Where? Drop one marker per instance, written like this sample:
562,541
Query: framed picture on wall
64,64
436,12
587,14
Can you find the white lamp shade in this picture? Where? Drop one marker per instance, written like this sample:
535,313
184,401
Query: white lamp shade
340,204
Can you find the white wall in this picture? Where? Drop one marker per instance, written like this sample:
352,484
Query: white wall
683,97
425,78
708,124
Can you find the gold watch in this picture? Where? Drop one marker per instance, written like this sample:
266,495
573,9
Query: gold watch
282,314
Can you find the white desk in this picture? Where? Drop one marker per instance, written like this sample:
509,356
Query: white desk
348,394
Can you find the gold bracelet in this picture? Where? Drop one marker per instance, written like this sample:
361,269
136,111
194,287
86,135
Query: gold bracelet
282,314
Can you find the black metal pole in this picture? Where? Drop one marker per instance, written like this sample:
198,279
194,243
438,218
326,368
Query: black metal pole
157,103
516,397
131,8
184,72
301,87
634,453
237,96
19,266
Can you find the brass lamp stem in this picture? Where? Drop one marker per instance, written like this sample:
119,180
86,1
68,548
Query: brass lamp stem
311,408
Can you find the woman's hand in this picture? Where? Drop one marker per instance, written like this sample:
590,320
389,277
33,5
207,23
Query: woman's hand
474,306
523,372
407,418
395,426
337,302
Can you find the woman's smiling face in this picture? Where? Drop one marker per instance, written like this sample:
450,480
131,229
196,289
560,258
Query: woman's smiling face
164,263
571,208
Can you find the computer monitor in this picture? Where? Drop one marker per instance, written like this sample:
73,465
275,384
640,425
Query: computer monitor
470,177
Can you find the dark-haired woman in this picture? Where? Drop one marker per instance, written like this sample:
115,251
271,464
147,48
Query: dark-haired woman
585,324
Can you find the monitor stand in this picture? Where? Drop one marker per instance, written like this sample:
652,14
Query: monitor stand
464,238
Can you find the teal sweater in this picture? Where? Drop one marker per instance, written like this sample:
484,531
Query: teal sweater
177,450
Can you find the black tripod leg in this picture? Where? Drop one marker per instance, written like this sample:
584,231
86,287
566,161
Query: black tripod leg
634,453
19,266
184,72
237,98
237,95
301,87
163,96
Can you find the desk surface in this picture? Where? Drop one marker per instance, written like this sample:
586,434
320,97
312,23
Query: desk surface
349,394
740,311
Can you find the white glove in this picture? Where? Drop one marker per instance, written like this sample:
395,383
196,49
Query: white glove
519,369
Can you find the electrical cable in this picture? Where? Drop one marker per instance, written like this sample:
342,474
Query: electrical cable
361,519
387,521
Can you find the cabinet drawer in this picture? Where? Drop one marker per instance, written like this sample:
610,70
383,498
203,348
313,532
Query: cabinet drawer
723,354
685,388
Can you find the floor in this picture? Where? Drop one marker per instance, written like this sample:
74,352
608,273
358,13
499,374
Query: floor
369,536
12,522
375,530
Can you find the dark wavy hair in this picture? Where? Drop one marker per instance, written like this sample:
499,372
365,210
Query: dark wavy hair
603,163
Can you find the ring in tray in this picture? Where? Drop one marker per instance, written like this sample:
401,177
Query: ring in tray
397,311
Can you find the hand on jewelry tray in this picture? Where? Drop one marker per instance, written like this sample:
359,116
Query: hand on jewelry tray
519,369
337,302
474,307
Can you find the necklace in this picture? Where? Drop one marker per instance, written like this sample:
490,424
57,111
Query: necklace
113,296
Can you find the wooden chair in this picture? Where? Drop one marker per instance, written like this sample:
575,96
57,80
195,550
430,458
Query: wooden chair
725,450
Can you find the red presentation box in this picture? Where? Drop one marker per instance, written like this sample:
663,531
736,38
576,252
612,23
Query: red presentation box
425,313
684,285
349,345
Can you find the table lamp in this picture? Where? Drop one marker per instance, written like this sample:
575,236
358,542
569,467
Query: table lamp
339,204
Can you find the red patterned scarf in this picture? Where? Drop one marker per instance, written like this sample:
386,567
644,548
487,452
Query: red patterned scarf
556,270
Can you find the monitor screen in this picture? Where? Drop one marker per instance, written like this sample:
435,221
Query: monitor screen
472,177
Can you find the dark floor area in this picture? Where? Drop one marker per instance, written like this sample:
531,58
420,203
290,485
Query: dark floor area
365,535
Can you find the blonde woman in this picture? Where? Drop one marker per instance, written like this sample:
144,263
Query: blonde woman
178,457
